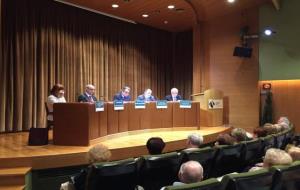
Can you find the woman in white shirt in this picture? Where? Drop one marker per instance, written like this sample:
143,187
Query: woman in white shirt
56,96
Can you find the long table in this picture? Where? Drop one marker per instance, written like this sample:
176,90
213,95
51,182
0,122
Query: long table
78,123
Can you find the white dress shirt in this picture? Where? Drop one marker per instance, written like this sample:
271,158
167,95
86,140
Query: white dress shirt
50,101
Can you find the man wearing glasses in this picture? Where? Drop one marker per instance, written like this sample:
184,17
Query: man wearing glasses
123,94
88,95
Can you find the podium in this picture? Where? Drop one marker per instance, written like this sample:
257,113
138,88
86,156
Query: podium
77,124
211,107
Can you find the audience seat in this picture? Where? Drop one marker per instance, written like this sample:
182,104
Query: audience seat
205,156
228,159
209,184
267,142
257,180
252,152
121,174
159,170
288,177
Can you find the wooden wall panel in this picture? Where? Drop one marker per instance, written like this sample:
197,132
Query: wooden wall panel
236,77
286,101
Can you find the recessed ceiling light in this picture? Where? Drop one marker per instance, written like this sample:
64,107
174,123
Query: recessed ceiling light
166,22
230,1
145,15
171,6
114,5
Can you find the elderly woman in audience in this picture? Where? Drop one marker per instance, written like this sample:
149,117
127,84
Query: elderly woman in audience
225,139
194,140
259,132
273,157
294,152
240,134
98,153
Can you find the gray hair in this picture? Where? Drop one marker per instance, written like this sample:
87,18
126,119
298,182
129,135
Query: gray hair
191,172
195,139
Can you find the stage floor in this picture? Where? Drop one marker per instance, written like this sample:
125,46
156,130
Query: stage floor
15,152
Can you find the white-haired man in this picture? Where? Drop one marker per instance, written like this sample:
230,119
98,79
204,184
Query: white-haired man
194,140
173,96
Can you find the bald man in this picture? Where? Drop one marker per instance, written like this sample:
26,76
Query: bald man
190,172
88,95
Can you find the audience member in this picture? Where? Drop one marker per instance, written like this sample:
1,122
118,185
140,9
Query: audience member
294,152
98,153
155,145
88,95
225,139
259,132
56,96
284,123
189,172
273,157
270,128
147,96
173,96
123,94
194,140
239,134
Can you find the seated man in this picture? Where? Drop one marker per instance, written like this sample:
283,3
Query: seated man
147,96
155,145
173,96
189,172
225,139
294,152
123,95
88,96
240,134
194,140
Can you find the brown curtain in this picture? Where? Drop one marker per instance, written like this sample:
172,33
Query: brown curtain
45,42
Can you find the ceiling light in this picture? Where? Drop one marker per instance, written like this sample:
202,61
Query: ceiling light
145,15
230,1
171,6
166,22
269,32
114,5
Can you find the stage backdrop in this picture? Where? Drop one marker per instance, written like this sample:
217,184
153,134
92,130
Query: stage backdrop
46,42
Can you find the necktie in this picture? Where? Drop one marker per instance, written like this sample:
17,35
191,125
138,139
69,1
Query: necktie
91,99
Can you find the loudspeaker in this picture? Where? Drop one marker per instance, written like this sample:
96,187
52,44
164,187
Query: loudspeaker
38,136
242,51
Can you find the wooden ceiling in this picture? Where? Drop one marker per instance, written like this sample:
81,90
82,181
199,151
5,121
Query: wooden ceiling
185,14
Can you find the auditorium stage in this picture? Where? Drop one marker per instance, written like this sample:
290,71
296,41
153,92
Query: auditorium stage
15,152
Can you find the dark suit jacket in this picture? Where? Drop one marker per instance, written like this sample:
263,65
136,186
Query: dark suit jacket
142,97
85,98
169,98
120,97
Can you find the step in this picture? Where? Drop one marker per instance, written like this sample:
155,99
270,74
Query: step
13,176
12,187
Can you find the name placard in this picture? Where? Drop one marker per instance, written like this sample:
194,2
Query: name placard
186,104
118,105
215,103
99,105
139,104
161,104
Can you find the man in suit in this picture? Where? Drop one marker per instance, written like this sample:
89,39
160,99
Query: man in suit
147,96
173,96
88,95
124,94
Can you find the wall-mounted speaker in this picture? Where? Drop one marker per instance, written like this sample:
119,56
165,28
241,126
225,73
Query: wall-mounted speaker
242,52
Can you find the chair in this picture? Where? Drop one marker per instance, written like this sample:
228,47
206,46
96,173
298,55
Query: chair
159,170
209,184
267,142
279,140
205,156
253,152
228,159
257,180
49,122
288,177
121,174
